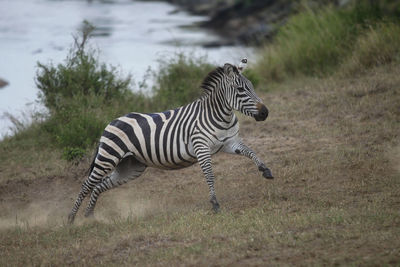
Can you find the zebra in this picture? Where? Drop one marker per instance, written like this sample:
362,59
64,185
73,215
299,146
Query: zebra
177,138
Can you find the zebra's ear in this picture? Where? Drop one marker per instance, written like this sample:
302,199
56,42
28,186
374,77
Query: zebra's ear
230,70
242,64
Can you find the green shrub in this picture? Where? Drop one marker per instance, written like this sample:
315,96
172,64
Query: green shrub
178,80
72,153
253,76
81,95
81,74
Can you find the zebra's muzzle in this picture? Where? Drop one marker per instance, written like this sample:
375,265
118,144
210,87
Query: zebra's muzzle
262,112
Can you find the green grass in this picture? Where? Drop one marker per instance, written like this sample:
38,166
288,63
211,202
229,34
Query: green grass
379,45
318,42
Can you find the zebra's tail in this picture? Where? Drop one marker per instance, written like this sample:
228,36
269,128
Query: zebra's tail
89,171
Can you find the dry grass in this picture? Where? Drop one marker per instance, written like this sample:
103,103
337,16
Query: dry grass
333,146
378,46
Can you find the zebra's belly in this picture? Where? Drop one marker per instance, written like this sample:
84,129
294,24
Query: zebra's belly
174,159
175,166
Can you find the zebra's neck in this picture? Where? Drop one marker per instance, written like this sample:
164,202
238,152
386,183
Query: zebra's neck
214,108
214,99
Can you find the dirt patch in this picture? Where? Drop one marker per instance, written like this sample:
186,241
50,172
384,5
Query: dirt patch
35,202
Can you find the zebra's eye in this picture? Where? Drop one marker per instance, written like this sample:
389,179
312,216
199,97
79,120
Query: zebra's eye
240,89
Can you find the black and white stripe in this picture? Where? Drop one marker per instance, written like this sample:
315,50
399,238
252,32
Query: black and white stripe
176,138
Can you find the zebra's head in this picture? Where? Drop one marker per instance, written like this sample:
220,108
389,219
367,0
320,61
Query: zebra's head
241,94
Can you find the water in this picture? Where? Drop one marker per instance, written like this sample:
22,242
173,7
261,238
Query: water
131,35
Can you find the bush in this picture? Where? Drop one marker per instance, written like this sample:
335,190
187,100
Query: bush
81,74
178,80
72,153
81,95
252,75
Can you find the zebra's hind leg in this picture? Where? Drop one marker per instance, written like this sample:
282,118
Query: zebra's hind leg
128,169
87,187
99,171
82,194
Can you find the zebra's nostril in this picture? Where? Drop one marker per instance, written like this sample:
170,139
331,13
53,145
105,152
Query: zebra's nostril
264,111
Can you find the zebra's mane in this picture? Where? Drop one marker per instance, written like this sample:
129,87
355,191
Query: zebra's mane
212,80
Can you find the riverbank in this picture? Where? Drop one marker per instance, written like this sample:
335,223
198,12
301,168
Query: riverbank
247,22
256,22
244,22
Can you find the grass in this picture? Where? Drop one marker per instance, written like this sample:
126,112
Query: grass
333,147
331,140
318,42
378,46
213,238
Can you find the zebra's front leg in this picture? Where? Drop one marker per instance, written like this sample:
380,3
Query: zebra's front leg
242,149
204,158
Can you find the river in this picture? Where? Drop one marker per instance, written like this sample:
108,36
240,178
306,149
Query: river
131,35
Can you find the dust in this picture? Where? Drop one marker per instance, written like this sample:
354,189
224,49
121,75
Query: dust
393,154
117,204
123,203
33,214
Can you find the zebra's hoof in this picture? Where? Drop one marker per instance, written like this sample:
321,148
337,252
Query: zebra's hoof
215,205
89,214
262,167
267,174
71,218
216,208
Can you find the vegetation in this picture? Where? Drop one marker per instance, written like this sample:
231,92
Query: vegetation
317,42
379,45
332,141
82,95
333,146
178,80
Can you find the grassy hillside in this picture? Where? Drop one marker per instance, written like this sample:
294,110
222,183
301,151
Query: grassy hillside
319,42
331,140
333,146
